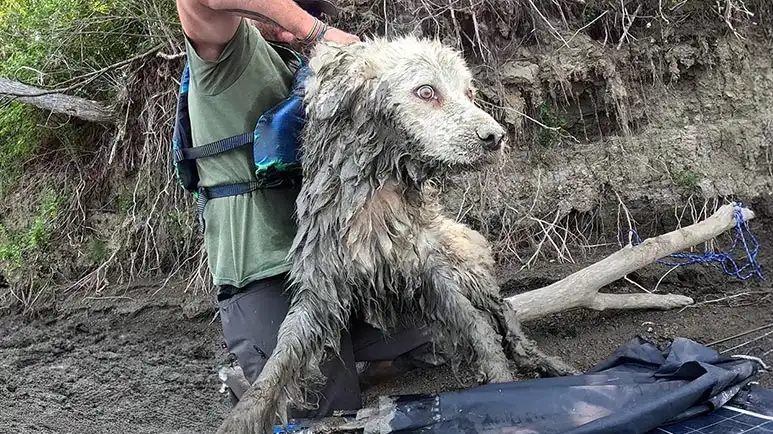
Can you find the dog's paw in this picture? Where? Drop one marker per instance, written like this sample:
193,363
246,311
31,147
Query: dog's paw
239,422
501,376
254,414
496,373
556,367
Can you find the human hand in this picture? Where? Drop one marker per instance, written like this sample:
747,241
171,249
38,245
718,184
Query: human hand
276,33
334,35
273,32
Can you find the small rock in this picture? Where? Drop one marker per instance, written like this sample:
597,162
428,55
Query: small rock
172,376
106,355
519,73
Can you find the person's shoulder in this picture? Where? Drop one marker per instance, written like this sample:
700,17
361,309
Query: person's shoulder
214,76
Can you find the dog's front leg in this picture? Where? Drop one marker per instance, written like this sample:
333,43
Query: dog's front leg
444,301
283,380
471,255
257,409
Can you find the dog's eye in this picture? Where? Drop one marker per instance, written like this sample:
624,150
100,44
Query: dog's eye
426,92
471,94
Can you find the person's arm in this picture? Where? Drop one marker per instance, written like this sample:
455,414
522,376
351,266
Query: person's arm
282,13
210,24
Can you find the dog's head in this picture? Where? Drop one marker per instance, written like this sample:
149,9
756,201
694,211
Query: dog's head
420,91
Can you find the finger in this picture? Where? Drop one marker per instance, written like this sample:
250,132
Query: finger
339,36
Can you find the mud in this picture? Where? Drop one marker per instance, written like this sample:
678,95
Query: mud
110,365
144,360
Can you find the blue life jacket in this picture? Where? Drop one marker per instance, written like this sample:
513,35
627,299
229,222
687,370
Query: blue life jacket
275,141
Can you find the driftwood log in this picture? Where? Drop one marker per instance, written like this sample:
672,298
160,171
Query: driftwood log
55,102
581,289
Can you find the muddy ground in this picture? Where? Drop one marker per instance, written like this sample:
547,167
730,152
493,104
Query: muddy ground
144,360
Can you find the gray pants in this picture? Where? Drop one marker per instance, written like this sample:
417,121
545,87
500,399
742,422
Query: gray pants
251,318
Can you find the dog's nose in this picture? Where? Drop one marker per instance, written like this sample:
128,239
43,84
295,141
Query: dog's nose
490,136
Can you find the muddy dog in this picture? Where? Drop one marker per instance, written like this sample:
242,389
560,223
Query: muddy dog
385,118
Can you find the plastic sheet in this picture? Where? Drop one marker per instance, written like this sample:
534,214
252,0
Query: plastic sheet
639,388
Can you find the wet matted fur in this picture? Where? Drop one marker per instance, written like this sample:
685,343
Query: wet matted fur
385,118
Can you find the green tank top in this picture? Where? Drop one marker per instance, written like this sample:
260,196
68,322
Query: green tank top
246,237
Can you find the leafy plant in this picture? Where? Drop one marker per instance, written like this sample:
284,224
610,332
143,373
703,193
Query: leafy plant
19,138
550,134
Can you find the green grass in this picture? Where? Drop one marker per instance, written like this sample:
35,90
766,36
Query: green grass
42,228
19,140
45,43
551,136
15,246
686,178
97,250
10,248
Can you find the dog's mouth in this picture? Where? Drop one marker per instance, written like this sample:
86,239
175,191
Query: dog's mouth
490,157
478,159
466,157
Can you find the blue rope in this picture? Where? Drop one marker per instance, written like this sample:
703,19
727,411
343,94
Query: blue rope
725,259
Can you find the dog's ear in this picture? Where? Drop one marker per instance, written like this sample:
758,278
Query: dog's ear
342,80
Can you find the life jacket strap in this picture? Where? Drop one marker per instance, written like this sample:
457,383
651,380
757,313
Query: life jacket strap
213,148
207,193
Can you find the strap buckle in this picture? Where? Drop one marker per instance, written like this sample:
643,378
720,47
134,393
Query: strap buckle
201,202
178,154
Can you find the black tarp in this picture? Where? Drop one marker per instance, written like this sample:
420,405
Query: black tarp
637,389
756,399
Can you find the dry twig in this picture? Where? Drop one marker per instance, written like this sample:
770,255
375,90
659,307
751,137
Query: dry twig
742,334
627,27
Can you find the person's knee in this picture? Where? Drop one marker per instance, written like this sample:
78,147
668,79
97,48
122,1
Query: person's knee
385,355
251,320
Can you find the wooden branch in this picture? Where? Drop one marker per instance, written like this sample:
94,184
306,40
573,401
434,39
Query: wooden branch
628,27
638,301
580,290
174,56
82,80
57,102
